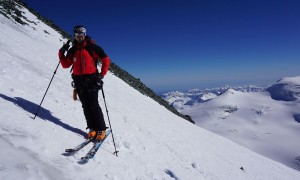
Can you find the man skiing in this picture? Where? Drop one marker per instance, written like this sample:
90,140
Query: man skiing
83,55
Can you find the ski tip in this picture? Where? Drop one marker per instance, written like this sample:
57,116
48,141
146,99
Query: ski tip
69,150
84,158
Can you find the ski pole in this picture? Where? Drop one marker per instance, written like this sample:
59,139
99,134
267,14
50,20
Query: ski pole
48,86
46,91
116,152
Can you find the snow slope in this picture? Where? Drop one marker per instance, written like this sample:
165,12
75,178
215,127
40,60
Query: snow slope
256,121
153,142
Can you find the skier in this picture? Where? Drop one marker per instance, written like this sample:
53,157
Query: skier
83,55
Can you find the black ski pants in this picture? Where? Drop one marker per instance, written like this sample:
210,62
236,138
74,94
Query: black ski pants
92,110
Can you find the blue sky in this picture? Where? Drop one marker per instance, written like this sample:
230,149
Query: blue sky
182,44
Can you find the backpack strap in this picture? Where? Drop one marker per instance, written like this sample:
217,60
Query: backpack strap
91,47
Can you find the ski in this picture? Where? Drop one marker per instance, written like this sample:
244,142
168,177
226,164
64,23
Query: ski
94,149
80,146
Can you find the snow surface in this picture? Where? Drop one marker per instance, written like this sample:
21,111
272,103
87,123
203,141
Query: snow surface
267,122
153,143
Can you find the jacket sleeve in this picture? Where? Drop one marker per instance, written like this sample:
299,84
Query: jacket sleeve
100,54
65,61
105,65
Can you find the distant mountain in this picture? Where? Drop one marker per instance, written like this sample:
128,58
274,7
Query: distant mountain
192,97
266,120
286,89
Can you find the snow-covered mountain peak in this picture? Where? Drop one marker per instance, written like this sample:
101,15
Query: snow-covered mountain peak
193,97
290,80
207,96
286,89
266,121
229,92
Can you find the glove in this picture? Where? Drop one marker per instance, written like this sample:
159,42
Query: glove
99,82
65,47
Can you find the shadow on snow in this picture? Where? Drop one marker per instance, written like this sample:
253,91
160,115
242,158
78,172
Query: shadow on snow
43,113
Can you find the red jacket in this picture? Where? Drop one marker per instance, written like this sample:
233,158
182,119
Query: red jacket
81,59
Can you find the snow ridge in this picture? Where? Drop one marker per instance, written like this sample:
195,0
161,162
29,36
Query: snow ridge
193,97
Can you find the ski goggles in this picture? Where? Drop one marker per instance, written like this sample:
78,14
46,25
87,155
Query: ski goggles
79,34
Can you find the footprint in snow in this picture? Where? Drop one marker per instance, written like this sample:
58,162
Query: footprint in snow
126,144
194,165
125,119
171,173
